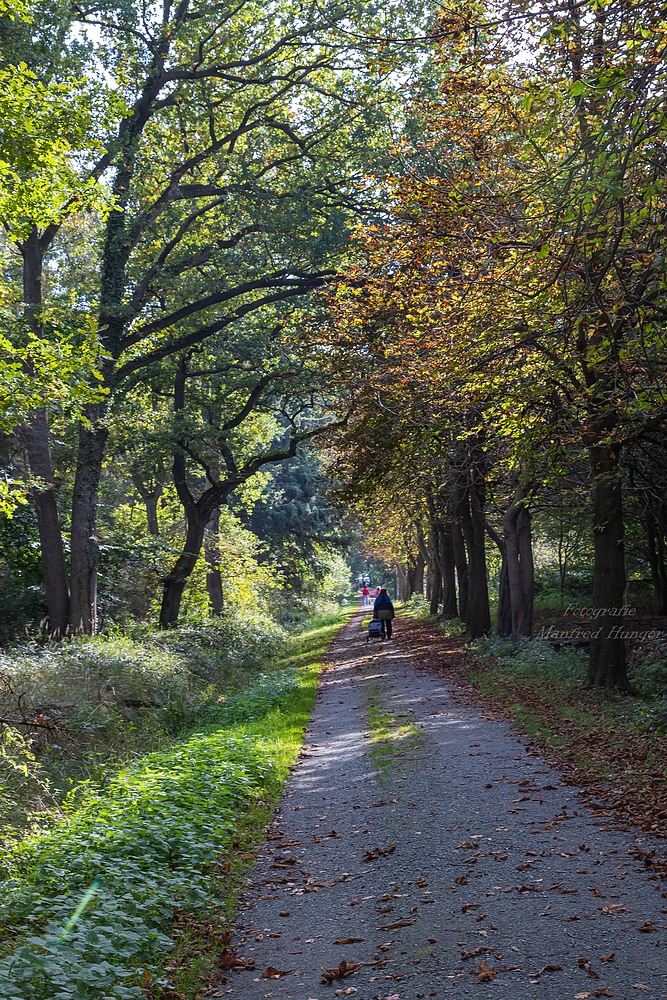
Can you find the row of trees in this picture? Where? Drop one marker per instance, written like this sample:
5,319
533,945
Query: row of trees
509,312
176,180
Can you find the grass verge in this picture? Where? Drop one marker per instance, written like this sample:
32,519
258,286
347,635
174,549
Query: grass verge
128,897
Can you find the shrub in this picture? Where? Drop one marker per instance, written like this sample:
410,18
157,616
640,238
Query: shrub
148,843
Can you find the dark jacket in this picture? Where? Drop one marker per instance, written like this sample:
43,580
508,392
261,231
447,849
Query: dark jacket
383,603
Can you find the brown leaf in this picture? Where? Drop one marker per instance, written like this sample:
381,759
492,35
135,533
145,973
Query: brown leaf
341,971
475,952
462,880
348,940
228,960
405,922
585,964
547,968
608,958
271,973
648,927
603,992
379,852
484,973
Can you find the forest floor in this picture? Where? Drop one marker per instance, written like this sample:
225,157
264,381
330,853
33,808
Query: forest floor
423,849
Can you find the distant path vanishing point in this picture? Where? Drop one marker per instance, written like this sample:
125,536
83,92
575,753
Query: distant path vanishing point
463,864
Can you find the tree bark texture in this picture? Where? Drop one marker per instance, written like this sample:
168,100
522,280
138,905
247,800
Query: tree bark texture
607,663
174,583
518,561
35,437
83,540
472,525
461,566
212,556
655,544
447,570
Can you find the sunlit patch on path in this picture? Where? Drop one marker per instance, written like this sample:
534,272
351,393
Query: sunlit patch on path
464,863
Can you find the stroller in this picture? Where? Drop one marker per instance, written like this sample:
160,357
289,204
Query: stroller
375,630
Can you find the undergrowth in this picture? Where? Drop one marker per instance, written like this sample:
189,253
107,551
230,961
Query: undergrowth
90,909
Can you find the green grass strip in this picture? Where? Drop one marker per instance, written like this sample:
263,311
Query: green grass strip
99,892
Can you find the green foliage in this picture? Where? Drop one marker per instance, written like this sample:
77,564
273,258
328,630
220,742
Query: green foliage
150,840
46,128
93,900
530,658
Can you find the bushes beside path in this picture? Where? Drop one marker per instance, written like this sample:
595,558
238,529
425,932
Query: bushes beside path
91,909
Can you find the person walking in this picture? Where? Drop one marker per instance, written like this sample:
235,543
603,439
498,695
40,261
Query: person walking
367,596
383,609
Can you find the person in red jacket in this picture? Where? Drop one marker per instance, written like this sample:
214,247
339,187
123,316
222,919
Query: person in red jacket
367,595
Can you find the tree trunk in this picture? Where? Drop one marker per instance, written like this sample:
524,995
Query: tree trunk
656,557
85,551
519,566
461,565
150,498
447,571
607,663
35,437
417,574
436,589
479,616
174,583
504,618
212,554
402,582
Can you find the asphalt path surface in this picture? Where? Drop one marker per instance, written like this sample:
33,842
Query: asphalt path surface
462,867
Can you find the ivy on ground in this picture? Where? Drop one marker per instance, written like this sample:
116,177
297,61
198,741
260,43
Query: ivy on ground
145,846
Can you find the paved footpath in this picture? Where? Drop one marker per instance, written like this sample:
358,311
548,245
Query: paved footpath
466,866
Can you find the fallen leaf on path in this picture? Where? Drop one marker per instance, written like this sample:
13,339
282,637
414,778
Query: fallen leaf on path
475,952
379,852
640,986
341,971
648,927
484,973
228,960
355,901
546,968
405,922
584,963
346,993
608,958
386,946
271,973
461,881
348,940
611,909
603,992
